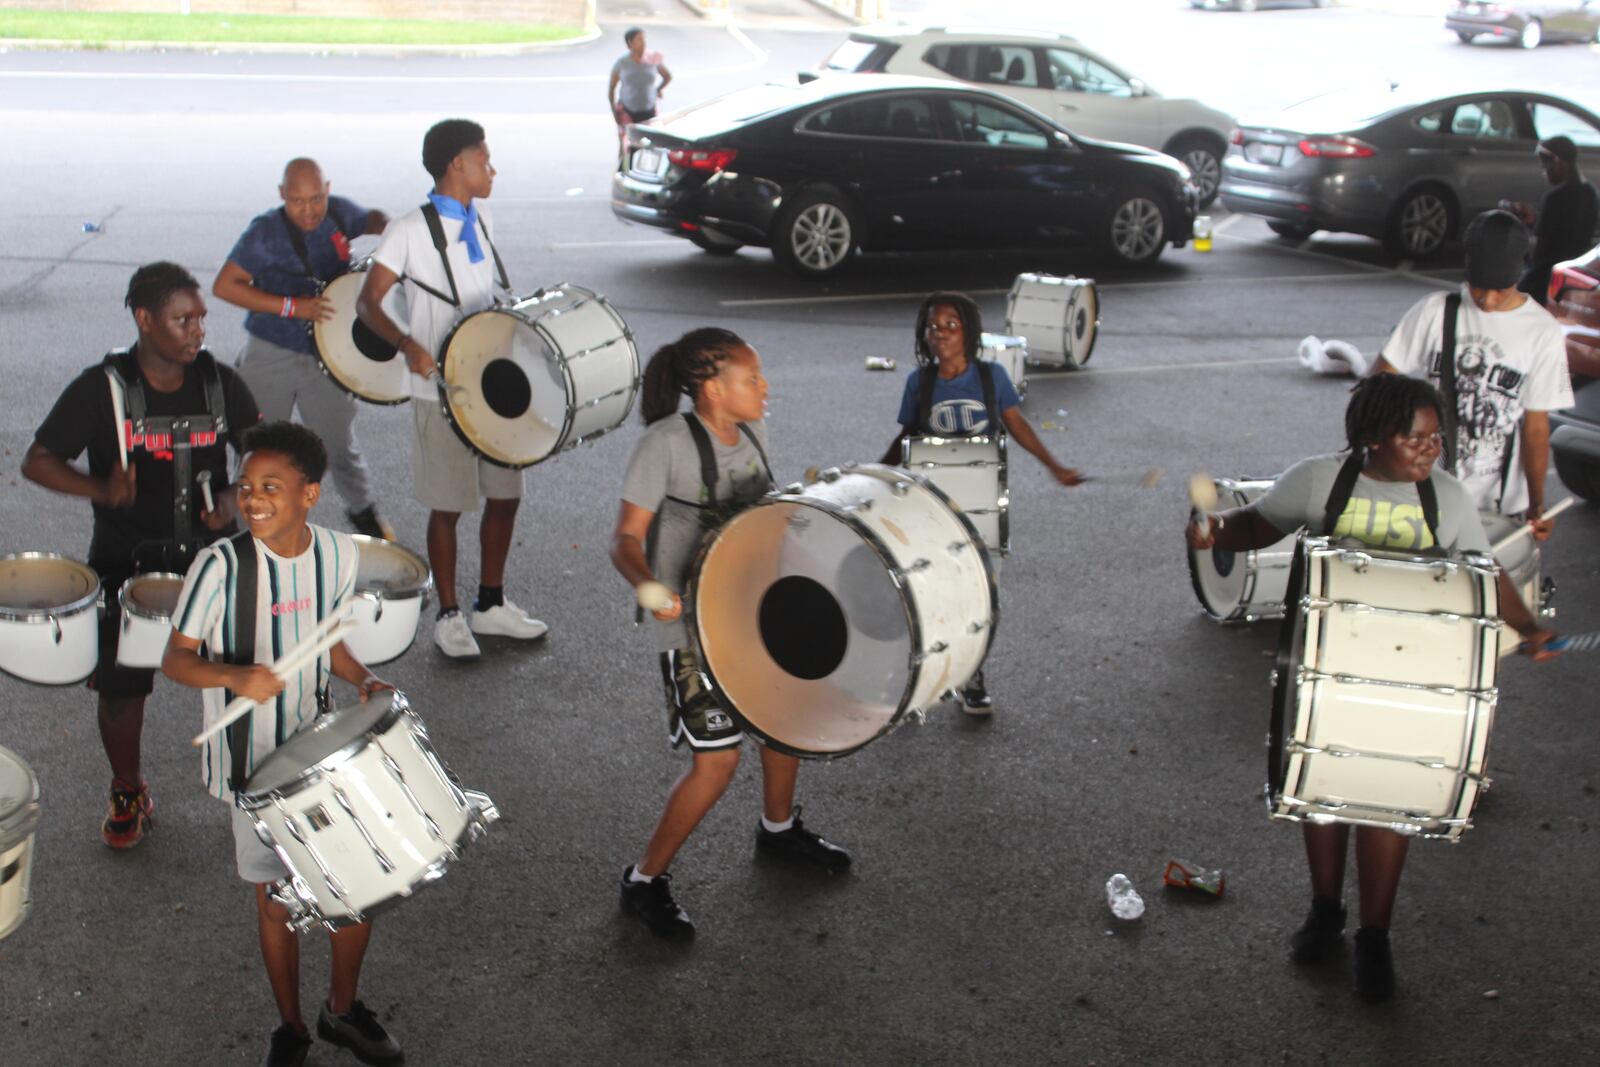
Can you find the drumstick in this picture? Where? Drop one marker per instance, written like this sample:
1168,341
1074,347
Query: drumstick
1203,493
1526,528
329,632
653,596
118,415
1141,479
204,478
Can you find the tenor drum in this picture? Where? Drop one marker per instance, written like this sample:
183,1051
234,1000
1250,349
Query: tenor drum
361,811
392,584
524,381
1059,317
49,619
1385,690
1010,353
971,471
828,613
1520,560
1242,586
358,360
147,602
19,817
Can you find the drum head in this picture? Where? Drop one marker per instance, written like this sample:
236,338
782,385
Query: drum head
154,596
327,737
390,569
361,362
1083,321
1285,686
34,583
19,799
505,389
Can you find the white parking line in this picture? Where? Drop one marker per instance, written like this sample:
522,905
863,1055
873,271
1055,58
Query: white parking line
1220,364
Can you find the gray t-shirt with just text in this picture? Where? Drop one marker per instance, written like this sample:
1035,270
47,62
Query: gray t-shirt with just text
666,464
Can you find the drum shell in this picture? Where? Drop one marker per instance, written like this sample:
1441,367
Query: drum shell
19,821
1385,692
1059,317
142,633
927,555
973,474
386,382
1250,586
381,817
58,644
387,616
1010,353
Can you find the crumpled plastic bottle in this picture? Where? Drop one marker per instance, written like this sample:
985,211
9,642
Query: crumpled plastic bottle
1124,900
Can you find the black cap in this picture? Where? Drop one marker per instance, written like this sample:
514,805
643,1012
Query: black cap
1496,244
1561,147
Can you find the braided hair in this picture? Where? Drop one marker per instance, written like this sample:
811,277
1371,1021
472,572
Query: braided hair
1384,405
966,310
153,284
682,367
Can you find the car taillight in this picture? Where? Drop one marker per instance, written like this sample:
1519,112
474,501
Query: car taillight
1337,146
710,159
1564,278
1237,137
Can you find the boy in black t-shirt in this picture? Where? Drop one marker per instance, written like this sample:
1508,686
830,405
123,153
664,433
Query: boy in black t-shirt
180,409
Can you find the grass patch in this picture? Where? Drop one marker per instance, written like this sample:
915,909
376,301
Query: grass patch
111,27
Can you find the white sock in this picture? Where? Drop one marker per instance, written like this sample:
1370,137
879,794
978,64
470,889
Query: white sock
635,876
776,827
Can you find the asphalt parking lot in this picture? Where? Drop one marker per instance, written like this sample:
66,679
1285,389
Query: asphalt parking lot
973,928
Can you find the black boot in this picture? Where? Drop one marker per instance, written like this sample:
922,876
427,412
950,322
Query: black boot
1321,934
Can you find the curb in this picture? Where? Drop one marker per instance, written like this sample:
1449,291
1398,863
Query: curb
43,44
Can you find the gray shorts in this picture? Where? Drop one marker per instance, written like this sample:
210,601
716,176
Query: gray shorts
257,863
446,474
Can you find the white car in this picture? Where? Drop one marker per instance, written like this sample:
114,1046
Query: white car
1054,74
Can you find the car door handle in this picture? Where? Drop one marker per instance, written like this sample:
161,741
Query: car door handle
1067,107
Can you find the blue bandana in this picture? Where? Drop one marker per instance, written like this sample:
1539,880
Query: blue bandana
450,208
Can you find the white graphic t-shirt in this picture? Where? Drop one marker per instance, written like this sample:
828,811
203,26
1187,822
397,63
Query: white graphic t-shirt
1507,363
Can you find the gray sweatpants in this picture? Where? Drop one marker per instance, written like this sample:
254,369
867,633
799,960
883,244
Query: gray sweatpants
281,380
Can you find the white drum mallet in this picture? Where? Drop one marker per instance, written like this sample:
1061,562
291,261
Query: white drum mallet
653,596
328,632
204,478
1526,529
118,415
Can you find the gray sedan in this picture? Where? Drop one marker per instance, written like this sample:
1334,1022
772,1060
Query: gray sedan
1529,23
1409,170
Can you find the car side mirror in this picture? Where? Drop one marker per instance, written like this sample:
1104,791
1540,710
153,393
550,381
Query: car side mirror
806,76
1063,141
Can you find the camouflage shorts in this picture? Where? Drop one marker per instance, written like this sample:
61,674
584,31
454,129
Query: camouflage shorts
694,711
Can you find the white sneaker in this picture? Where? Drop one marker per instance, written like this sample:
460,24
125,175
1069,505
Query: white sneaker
454,638
508,620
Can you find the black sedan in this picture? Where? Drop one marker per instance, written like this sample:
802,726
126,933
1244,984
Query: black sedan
881,163
1529,23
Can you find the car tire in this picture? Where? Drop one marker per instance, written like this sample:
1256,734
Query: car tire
1203,156
1578,473
1532,34
1421,223
1293,231
714,248
1464,37
1135,229
815,234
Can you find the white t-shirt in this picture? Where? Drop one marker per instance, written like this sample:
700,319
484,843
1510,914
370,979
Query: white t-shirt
407,249
292,596
1507,363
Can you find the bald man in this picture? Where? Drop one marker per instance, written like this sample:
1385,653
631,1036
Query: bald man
274,273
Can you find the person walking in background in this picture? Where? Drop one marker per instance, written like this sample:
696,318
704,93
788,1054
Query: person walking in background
638,79
1564,225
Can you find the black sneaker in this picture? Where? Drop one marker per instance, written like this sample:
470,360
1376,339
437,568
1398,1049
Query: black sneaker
359,1031
798,843
653,904
1321,934
1374,965
288,1049
975,697
367,522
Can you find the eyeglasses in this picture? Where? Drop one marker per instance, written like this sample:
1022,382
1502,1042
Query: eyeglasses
1422,440
947,326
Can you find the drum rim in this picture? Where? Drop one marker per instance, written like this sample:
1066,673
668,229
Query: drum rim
19,823
131,610
1002,442
410,592
62,611
360,267
250,800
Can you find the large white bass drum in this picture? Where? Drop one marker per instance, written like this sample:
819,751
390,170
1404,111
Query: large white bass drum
1242,586
358,360
49,618
971,471
524,381
19,818
1059,317
392,584
828,613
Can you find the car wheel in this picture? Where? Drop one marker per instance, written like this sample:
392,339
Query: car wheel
1421,223
1294,231
1203,157
815,234
1532,33
715,248
1136,231
1580,475
1464,37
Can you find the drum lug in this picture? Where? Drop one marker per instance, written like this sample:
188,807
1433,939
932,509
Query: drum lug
55,627
977,627
483,808
920,564
832,474
1443,570
1359,561
900,488
933,650
793,488
958,547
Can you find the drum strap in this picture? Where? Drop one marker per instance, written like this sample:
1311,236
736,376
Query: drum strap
242,651
925,386
297,240
1447,379
1344,484
430,215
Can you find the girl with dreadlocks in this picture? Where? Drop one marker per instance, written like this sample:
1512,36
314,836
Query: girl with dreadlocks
688,473
1385,492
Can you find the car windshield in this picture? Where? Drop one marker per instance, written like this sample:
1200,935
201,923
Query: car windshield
731,111
1346,109
850,55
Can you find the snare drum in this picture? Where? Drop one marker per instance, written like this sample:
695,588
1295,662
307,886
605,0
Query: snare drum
1242,586
146,602
361,811
971,471
392,584
828,613
1010,353
358,360
1059,317
19,817
1385,690
49,618
524,381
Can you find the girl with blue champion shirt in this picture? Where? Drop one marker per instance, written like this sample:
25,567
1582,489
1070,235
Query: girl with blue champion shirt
949,326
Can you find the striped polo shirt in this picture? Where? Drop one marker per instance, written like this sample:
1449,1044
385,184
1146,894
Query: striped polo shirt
292,596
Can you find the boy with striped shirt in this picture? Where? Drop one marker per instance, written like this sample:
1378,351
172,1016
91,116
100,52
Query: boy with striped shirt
303,574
